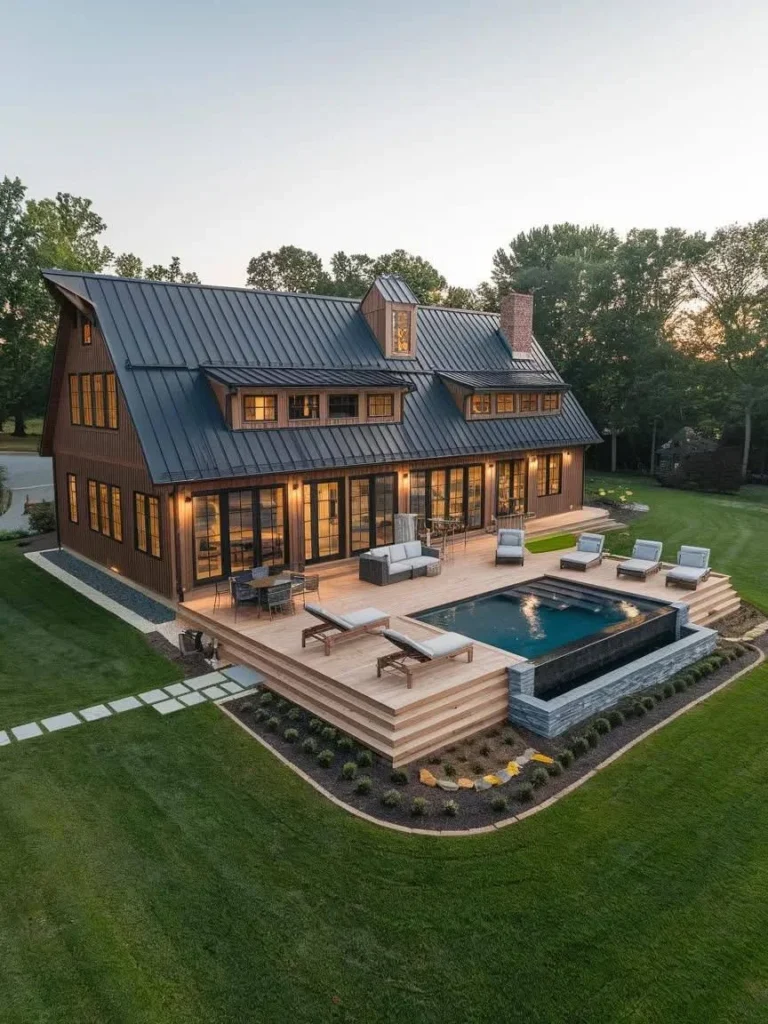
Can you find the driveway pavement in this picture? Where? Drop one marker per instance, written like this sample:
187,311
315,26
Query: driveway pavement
27,475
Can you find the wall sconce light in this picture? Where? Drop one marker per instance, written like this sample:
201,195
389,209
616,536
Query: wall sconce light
188,498
490,465
405,475
295,486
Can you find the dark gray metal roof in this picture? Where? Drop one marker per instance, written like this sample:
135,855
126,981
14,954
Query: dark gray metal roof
514,380
305,377
160,335
395,289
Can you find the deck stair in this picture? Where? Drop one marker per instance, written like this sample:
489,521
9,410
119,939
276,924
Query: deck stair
546,591
522,591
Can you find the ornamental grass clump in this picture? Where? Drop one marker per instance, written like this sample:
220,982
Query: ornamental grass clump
294,715
391,798
449,769
580,746
602,726
616,718
638,709
539,777
266,698
648,703
345,743
592,737
364,758
325,758
291,735
565,757
328,733
315,724
273,723
419,806
554,769
309,746
450,808
525,793
260,715
364,785
499,803
668,689
400,777
349,770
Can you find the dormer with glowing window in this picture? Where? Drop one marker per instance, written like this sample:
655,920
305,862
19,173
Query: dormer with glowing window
391,308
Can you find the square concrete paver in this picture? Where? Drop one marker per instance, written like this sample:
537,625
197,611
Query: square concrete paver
190,699
215,692
202,681
165,707
5,739
96,712
26,732
231,687
176,689
124,704
245,676
57,722
153,696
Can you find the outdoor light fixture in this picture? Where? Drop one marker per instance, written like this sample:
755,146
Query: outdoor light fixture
405,476
188,499
295,487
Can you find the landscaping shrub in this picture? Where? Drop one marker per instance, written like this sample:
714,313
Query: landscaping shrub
13,534
638,709
273,723
314,725
281,705
345,743
602,726
554,769
291,735
349,770
648,703
616,718
668,690
309,746
679,683
419,806
266,698
450,808
364,758
364,785
717,471
499,803
449,769
450,750
400,777
525,793
539,777
478,767
391,798
42,517
658,696
294,714
579,746
328,732
592,737
485,749
509,739
260,714
247,707
325,758
436,759
565,757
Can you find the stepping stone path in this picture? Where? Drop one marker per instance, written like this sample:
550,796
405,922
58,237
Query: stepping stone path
175,697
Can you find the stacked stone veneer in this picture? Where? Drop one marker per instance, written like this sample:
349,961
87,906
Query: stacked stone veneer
553,717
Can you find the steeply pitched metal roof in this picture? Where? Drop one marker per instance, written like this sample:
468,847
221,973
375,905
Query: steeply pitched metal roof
395,289
513,380
305,377
160,335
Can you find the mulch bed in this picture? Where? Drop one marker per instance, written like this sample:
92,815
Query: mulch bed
190,665
489,750
738,623
38,542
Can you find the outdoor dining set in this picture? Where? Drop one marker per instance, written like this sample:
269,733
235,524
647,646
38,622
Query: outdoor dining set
267,590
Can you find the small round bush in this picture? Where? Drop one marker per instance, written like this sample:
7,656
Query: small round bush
328,732
247,707
579,746
697,671
499,803
638,709
309,746
602,726
391,798
419,806
266,698
436,759
616,718
485,749
539,777
648,703
294,714
345,743
281,705
325,758
668,689
349,770
565,757
273,723
658,696
314,725
364,785
509,739
525,793
592,737
291,735
365,758
449,769
260,714
400,777
450,808
679,683
554,769
478,767
740,649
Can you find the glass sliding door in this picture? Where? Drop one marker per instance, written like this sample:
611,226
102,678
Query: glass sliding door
474,513
240,511
511,478
323,523
206,530
385,505
418,495
234,530
272,546
372,504
360,514
438,494
456,494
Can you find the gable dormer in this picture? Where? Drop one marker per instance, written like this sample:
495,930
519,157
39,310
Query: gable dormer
390,308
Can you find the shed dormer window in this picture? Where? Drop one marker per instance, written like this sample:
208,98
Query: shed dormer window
304,407
481,405
342,407
401,332
259,408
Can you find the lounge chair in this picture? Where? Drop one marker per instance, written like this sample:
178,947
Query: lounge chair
588,553
333,628
424,652
510,547
692,567
645,560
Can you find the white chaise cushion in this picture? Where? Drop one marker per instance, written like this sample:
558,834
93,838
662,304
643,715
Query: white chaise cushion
397,552
507,551
413,549
637,564
323,613
398,568
362,617
581,557
694,558
591,542
446,643
686,573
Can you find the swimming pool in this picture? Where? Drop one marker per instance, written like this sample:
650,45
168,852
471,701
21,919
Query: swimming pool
539,616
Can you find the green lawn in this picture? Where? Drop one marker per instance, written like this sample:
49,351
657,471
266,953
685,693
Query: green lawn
30,443
734,526
556,543
169,869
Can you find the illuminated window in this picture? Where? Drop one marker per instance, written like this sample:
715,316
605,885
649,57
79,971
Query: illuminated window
529,403
111,401
140,512
74,399
72,497
342,407
93,506
550,402
87,332
505,403
549,474
401,332
117,514
304,407
147,513
259,408
481,405
511,478
381,405
104,509
98,399
86,385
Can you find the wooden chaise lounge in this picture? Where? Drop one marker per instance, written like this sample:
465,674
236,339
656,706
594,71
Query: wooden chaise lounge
333,627
644,562
424,652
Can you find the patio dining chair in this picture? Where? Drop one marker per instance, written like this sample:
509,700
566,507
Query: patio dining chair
241,593
303,584
259,572
280,599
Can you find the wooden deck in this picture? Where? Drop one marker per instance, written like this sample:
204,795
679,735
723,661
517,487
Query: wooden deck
448,701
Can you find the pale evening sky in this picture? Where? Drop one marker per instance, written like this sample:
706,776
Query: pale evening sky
213,131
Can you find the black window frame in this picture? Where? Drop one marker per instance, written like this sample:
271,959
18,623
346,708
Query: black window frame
146,515
558,457
550,396
109,533
265,419
485,398
510,463
447,470
72,480
352,397
303,397
74,378
371,480
527,395
314,537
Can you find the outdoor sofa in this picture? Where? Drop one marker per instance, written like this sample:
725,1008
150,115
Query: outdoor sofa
510,547
691,569
645,560
334,627
588,553
397,562
422,652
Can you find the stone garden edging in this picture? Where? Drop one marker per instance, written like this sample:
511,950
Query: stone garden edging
515,818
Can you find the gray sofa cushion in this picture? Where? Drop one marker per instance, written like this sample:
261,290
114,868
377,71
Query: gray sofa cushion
413,549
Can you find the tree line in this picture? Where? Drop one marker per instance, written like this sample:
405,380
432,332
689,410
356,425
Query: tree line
655,330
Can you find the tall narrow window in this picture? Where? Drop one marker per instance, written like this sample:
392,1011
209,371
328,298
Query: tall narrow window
474,497
117,513
154,526
98,399
86,386
456,494
272,525
93,506
510,487
401,332
111,401
140,514
481,405
549,474
74,399
104,509
87,332
72,497
147,514
259,408
418,497
240,508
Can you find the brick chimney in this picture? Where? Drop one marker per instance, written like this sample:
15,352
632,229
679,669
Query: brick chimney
516,322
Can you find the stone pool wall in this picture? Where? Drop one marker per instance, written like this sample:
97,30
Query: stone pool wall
552,717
